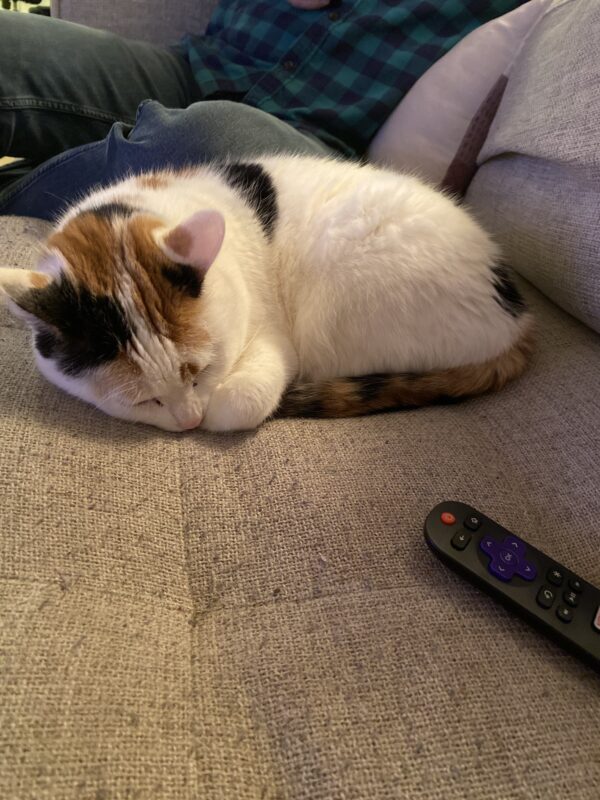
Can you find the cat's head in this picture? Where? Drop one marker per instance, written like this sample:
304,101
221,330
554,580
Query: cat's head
120,312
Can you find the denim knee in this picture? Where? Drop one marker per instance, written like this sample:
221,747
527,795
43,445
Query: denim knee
213,130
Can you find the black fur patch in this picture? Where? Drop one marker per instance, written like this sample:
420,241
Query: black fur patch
110,210
91,330
301,400
311,408
258,191
46,342
185,278
449,400
370,386
409,376
507,295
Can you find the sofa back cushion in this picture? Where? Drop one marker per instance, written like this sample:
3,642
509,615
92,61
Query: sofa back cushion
537,189
438,128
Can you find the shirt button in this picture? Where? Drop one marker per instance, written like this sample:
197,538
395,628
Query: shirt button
334,16
289,66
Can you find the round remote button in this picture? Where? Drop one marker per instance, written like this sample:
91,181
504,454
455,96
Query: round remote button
555,576
472,522
508,556
564,613
448,518
575,584
571,599
545,597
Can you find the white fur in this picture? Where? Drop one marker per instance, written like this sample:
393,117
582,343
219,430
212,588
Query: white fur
368,271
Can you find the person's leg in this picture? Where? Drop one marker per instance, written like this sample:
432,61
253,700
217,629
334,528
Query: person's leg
162,137
64,85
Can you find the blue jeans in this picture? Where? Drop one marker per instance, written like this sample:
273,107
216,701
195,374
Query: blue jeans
84,108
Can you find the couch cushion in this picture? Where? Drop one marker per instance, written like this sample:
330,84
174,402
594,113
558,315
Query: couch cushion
440,125
538,187
257,615
95,671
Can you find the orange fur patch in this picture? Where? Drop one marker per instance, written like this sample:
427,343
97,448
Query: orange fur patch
39,281
187,371
100,253
88,244
340,400
154,180
168,309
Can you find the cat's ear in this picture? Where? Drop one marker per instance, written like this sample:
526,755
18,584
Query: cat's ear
17,284
195,242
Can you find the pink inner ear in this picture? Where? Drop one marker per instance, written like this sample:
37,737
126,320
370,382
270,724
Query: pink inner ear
198,240
179,241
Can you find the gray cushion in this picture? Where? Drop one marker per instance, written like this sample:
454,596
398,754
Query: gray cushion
257,615
538,187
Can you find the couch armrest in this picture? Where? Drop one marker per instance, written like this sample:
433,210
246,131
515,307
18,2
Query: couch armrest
156,21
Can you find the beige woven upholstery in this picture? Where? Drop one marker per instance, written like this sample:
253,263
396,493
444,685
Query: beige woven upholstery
257,617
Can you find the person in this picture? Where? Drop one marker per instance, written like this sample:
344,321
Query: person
82,108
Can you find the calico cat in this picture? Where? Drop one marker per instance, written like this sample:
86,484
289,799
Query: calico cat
222,294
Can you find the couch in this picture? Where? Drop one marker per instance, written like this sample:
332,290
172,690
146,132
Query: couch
256,616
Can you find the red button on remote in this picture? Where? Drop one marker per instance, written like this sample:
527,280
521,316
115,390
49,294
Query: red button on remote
448,518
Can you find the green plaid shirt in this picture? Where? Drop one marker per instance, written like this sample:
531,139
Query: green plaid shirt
336,73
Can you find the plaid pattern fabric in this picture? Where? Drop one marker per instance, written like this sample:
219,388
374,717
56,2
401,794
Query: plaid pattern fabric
336,73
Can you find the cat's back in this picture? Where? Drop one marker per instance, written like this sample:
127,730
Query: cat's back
322,185
309,188
330,209
371,260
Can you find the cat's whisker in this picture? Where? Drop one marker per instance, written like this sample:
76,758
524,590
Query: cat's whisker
119,390
58,196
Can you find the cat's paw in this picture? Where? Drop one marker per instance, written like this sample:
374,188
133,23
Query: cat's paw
233,407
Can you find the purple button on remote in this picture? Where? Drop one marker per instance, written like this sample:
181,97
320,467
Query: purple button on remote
514,544
507,558
527,570
488,545
500,570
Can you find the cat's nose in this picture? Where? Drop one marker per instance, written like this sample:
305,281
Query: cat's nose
190,421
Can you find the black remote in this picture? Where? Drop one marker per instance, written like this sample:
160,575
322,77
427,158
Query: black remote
524,579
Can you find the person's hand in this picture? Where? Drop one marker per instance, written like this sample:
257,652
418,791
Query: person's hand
309,5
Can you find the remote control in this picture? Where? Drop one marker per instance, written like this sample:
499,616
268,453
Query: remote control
524,579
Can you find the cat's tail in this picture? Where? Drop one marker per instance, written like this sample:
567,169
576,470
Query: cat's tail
368,394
